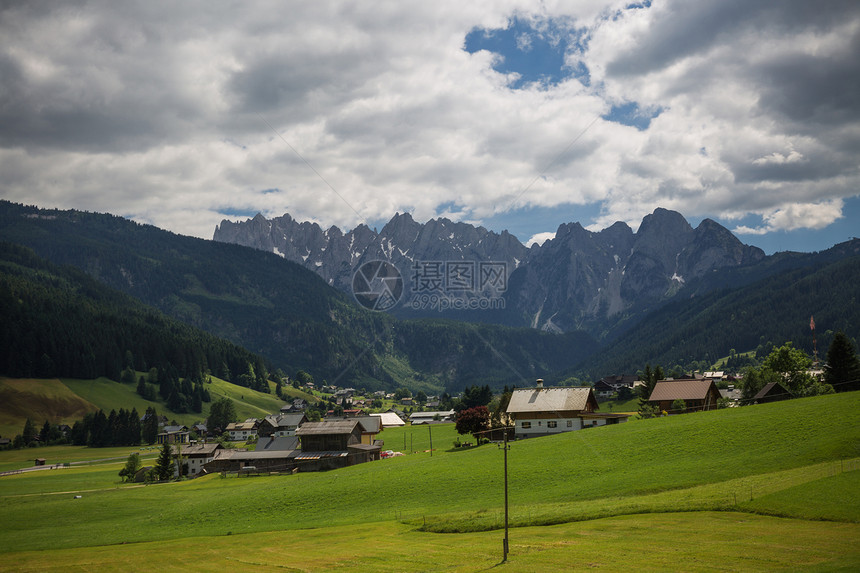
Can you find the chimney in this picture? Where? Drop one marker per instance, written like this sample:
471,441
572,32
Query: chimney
539,383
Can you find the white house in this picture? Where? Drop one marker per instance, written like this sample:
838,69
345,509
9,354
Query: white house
540,411
243,431
194,457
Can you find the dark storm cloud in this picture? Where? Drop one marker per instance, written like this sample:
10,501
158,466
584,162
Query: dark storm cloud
810,89
684,29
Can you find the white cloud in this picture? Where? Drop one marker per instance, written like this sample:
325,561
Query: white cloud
796,216
779,159
540,238
113,107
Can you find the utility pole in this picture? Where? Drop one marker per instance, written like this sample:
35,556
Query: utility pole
431,438
506,447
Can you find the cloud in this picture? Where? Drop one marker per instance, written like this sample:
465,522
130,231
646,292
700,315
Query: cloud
796,216
540,238
345,113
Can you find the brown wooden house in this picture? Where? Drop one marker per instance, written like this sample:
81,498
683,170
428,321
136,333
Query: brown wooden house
698,395
331,444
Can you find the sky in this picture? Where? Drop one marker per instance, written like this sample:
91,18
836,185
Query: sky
511,114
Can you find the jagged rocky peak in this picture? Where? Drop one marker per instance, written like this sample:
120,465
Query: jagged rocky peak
713,247
618,236
577,278
663,232
401,228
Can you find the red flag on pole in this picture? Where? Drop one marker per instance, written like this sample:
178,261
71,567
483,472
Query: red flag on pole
811,323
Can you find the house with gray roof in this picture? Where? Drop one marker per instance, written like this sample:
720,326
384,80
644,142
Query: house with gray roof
174,435
281,425
193,458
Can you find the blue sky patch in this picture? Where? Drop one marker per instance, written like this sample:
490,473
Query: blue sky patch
631,114
535,51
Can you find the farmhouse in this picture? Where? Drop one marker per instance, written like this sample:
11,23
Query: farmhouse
332,444
540,411
609,385
697,395
281,425
191,459
243,431
174,435
370,427
297,405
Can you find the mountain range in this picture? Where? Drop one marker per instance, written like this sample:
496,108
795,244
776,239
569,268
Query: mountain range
598,281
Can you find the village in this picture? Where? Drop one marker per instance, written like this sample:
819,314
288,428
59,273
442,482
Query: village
289,442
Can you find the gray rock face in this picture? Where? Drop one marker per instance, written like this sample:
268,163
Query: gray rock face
578,279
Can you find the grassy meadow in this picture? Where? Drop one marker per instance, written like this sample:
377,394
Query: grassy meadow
756,488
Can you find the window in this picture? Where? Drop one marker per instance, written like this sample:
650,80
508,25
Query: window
527,425
570,423
551,424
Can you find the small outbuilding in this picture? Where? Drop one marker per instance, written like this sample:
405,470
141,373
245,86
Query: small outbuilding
772,392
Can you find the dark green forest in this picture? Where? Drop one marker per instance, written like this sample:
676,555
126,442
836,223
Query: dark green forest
58,322
756,316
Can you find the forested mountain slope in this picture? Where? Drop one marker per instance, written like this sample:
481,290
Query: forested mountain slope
774,309
282,311
59,322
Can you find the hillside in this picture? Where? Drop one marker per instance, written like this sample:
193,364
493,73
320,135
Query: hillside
752,459
773,309
282,311
68,400
60,322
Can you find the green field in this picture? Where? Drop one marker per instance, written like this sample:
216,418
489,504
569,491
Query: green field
756,488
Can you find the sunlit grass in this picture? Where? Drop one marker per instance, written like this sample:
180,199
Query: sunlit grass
683,463
656,542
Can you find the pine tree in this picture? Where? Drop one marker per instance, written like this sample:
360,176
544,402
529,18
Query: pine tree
150,426
133,427
164,465
29,433
650,379
45,434
843,367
